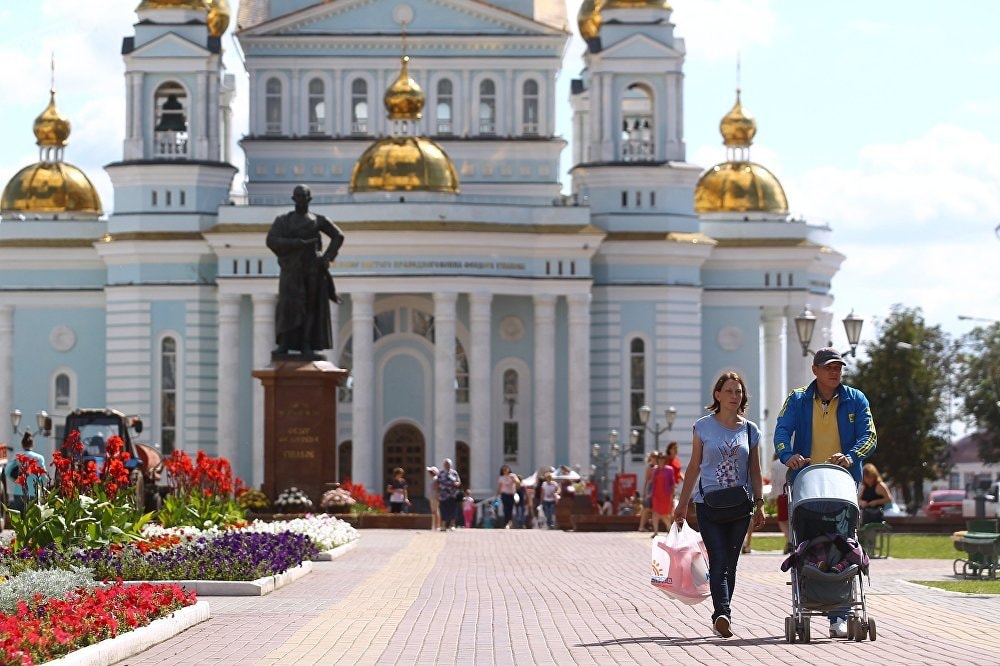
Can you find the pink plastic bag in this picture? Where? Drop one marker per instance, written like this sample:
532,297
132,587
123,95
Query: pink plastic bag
680,565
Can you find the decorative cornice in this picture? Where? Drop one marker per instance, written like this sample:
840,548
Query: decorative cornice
48,242
671,236
428,225
154,236
766,242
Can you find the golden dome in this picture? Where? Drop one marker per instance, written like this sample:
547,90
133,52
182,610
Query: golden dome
635,4
739,187
404,163
738,126
172,4
51,188
588,19
51,127
404,100
219,14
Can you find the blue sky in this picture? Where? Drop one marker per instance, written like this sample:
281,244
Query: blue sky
879,118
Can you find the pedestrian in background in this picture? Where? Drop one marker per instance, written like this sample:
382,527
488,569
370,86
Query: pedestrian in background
468,508
550,495
780,497
829,422
664,482
449,492
27,490
507,485
399,497
433,498
725,453
647,491
520,506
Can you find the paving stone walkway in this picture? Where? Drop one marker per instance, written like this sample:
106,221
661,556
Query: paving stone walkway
551,597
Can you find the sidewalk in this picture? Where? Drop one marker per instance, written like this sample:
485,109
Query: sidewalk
551,597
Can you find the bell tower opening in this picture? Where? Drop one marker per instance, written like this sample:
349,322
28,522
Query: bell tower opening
171,129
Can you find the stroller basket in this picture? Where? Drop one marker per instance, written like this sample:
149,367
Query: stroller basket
827,590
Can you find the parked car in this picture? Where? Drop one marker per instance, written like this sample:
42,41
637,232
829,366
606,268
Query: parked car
945,503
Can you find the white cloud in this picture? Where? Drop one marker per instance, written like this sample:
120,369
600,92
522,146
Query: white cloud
719,29
916,221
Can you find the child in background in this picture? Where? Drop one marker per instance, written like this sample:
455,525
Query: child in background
468,507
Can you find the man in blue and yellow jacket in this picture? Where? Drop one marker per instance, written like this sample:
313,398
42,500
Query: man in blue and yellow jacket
830,423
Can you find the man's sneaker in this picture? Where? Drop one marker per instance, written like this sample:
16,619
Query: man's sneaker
838,629
721,627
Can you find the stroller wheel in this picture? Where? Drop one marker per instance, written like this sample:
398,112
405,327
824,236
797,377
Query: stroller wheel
805,632
852,627
789,629
860,631
871,629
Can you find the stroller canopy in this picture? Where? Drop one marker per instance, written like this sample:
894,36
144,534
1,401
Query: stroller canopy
830,483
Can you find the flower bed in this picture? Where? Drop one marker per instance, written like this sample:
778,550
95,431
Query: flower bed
42,629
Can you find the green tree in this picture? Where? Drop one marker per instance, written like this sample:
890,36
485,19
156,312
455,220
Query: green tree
906,380
979,386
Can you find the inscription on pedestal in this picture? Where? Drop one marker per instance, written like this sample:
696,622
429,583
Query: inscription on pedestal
300,425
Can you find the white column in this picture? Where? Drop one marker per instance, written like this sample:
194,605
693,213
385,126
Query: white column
481,401
775,372
199,128
229,373
363,370
335,333
579,379
444,377
263,341
213,117
6,368
545,380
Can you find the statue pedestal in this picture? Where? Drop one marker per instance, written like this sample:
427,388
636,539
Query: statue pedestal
300,426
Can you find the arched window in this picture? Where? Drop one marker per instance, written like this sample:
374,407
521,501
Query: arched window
272,106
359,106
170,133
529,107
168,395
461,374
487,107
511,440
637,124
637,393
62,393
317,107
445,99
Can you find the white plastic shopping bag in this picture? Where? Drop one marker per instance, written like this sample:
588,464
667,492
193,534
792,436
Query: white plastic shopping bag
680,565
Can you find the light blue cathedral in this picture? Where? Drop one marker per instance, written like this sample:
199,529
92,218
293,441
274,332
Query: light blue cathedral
487,316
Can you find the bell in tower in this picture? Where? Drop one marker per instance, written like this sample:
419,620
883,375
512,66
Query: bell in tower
172,116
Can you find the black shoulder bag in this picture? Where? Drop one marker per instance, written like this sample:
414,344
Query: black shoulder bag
728,505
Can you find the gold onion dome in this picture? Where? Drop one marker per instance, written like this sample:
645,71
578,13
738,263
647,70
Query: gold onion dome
219,13
405,163
50,188
404,100
51,185
588,19
737,127
51,127
739,185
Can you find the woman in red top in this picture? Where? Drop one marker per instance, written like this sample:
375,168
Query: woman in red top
664,482
675,462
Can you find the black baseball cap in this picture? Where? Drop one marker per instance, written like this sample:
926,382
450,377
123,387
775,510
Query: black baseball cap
828,355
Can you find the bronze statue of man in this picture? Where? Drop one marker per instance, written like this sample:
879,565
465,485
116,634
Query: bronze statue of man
305,288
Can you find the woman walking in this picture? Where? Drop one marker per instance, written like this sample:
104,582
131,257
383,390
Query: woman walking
507,485
725,455
664,480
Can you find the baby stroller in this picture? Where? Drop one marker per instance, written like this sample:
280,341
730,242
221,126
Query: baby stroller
827,564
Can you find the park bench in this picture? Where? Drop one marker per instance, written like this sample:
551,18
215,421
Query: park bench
980,541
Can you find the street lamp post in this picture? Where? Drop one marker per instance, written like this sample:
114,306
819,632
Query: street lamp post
805,324
602,460
670,414
42,420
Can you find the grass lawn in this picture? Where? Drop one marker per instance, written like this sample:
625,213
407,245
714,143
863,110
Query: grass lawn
967,586
904,546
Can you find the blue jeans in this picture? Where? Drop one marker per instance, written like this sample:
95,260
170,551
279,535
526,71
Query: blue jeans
723,541
508,508
549,509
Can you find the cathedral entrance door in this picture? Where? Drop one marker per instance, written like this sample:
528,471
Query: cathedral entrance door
404,447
